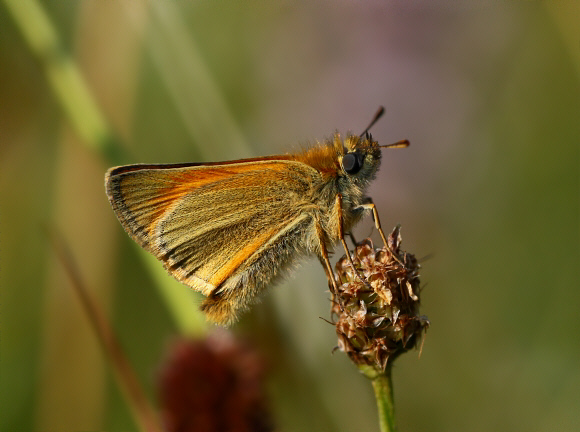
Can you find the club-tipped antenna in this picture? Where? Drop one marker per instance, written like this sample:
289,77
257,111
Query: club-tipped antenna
399,144
377,116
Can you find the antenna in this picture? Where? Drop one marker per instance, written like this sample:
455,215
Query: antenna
377,116
399,144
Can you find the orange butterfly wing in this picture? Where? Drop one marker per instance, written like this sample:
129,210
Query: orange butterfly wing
209,222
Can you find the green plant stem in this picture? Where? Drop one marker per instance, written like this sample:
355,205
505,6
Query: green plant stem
73,92
383,387
63,74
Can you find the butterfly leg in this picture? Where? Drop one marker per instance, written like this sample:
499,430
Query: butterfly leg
324,259
370,205
338,213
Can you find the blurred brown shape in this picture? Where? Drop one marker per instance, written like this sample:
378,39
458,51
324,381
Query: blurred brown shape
213,384
377,318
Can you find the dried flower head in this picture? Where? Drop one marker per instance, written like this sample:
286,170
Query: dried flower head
213,384
377,318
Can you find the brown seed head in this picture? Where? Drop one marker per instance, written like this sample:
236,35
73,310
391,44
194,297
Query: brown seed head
213,384
377,318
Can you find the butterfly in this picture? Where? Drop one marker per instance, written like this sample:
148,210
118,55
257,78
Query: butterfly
230,229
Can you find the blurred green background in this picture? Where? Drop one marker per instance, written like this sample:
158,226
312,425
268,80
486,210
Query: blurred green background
488,93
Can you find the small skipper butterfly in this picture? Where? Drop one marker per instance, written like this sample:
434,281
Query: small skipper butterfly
229,229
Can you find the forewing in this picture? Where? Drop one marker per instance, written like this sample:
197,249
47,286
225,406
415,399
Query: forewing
207,222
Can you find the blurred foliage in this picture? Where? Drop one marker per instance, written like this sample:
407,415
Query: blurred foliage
488,94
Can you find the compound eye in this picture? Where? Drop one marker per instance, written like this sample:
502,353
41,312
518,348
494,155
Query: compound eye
351,163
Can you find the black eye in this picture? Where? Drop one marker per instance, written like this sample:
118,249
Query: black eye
352,163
